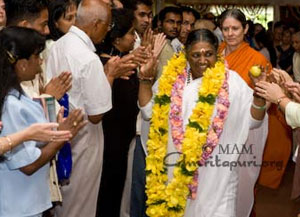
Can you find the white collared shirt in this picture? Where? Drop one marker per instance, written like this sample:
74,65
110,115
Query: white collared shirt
75,52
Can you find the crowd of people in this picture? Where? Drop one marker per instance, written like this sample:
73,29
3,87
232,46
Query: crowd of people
153,113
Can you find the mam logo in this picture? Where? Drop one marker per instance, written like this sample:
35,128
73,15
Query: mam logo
235,149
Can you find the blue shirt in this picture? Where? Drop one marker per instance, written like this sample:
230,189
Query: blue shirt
20,194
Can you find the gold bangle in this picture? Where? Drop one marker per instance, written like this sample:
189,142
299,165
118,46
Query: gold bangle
9,143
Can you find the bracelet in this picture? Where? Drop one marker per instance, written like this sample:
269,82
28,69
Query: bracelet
9,143
146,80
259,107
280,99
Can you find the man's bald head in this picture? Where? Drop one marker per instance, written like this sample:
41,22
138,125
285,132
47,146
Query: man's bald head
90,11
94,17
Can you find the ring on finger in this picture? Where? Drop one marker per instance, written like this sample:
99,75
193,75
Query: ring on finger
74,123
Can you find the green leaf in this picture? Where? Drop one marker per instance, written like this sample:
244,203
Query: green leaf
195,125
157,202
148,172
210,99
165,171
162,131
162,100
177,208
184,171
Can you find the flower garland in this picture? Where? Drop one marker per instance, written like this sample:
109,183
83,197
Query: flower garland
170,200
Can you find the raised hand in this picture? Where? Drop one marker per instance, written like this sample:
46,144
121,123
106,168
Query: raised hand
159,43
58,86
147,38
149,69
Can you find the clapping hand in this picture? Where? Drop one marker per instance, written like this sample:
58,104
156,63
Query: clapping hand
46,132
118,67
58,86
140,55
73,123
147,38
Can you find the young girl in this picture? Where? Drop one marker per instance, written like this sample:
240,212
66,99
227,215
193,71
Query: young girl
24,170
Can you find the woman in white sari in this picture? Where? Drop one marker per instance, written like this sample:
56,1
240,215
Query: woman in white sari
206,137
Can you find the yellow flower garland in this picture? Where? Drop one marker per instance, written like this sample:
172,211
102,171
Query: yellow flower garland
170,200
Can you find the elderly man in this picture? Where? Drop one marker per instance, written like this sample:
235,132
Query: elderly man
90,91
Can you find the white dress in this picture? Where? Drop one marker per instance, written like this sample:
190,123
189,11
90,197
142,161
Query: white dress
224,189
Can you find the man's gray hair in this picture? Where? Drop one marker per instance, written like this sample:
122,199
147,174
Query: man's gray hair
88,14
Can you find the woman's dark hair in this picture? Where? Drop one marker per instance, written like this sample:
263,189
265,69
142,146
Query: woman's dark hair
236,14
122,22
57,9
202,35
16,43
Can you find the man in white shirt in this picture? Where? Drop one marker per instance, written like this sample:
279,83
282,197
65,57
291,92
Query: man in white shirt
90,91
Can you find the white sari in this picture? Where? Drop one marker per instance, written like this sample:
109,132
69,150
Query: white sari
224,188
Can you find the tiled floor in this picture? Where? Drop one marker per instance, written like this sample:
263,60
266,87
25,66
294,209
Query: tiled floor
277,203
